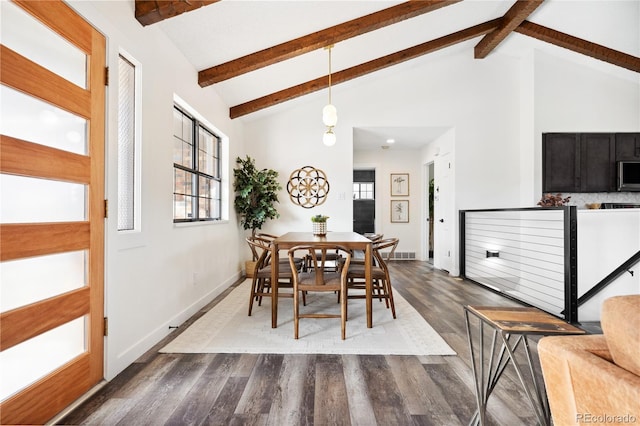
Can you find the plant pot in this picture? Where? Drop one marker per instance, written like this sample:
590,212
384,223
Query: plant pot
319,228
249,267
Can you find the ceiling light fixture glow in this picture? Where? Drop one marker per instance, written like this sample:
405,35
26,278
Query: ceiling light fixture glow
390,141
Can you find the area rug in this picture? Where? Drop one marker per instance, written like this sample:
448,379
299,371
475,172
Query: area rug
227,328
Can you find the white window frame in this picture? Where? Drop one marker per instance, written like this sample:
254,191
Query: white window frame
137,164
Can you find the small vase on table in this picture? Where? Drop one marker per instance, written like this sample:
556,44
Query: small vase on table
319,225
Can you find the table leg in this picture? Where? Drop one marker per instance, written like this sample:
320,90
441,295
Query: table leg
274,284
485,382
478,417
541,393
536,403
368,285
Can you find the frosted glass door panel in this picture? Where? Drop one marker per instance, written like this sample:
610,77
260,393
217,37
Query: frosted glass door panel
27,362
25,35
32,200
30,119
30,280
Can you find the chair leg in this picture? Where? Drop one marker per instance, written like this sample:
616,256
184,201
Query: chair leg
343,311
254,285
304,298
295,312
382,292
346,303
265,284
390,298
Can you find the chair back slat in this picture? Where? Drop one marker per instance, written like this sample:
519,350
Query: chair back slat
319,281
382,256
318,255
261,251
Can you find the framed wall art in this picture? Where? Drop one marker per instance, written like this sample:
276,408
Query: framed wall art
400,211
399,184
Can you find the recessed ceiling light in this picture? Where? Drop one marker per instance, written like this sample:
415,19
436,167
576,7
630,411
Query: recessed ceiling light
391,141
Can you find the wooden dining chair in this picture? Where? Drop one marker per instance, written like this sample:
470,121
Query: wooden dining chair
357,256
261,279
316,279
268,238
382,251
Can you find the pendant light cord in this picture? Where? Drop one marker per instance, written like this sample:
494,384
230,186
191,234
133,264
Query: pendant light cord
330,74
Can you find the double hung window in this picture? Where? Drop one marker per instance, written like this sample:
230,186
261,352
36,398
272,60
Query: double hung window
196,170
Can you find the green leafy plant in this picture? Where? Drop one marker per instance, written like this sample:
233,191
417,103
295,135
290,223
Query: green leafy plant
256,194
319,218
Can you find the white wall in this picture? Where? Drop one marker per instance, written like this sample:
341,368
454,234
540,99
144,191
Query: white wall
477,98
386,162
161,275
606,239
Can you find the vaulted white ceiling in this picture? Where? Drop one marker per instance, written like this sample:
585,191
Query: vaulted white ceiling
229,29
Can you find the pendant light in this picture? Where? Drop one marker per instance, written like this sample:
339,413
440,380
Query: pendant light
329,112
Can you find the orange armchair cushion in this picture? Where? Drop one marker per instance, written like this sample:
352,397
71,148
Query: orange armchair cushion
583,384
620,320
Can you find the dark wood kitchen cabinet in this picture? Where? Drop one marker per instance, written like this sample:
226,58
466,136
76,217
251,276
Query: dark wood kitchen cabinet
560,162
578,162
627,147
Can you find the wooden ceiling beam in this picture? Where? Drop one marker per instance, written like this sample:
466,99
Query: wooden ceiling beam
153,11
318,40
520,10
363,69
579,45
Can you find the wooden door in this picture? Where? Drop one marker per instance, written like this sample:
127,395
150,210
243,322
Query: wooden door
52,210
443,212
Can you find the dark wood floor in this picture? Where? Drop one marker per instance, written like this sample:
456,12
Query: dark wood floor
268,389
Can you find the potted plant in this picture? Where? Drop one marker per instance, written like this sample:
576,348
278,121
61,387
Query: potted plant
319,224
256,194
550,200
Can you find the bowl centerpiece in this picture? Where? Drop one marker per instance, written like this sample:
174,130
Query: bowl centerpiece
319,223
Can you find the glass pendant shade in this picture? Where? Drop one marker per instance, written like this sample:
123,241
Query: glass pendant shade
329,115
329,138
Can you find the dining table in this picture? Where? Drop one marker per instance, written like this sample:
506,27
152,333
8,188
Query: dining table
349,240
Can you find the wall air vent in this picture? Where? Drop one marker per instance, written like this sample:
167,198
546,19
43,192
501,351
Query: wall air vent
404,255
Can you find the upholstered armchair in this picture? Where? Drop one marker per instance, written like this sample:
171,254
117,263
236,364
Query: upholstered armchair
595,379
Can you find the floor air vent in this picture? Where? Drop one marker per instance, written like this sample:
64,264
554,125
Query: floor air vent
404,255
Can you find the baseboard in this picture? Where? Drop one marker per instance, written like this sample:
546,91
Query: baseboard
128,356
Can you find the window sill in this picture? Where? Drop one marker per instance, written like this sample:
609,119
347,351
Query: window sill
200,223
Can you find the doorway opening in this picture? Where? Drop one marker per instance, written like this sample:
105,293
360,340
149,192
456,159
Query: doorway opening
364,202
430,211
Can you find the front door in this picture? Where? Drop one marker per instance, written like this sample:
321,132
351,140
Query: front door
364,216
52,209
364,203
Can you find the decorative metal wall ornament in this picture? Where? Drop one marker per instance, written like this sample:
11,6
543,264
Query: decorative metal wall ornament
308,187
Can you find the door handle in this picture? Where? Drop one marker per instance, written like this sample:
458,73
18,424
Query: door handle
441,220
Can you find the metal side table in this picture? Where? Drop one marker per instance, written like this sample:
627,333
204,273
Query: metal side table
513,325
